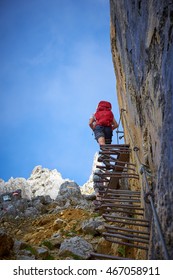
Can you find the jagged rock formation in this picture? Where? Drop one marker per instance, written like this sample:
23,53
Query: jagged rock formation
44,181
142,51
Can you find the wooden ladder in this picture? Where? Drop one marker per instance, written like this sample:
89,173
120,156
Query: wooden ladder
121,208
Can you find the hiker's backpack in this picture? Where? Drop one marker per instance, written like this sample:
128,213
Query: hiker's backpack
104,115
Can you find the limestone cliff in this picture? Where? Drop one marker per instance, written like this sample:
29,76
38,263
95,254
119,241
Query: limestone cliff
142,51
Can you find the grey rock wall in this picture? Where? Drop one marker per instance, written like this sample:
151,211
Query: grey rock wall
142,51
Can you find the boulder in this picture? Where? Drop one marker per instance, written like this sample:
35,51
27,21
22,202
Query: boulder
76,247
92,226
70,195
70,190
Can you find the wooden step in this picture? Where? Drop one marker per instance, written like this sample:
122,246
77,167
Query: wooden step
127,230
121,200
126,243
132,222
126,218
126,206
125,236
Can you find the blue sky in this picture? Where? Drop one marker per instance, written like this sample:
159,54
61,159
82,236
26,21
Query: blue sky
56,65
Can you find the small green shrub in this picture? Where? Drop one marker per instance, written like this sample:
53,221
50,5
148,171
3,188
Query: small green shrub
121,250
48,244
31,249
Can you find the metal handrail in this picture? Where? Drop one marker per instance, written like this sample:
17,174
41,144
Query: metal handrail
150,198
119,131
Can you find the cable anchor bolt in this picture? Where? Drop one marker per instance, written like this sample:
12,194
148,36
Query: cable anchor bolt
135,149
146,196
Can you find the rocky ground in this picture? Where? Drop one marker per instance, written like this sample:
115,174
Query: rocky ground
48,217
43,228
41,237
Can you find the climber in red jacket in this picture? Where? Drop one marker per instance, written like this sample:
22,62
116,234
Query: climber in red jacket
103,123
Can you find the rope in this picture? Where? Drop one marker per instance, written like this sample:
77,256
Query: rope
118,131
149,194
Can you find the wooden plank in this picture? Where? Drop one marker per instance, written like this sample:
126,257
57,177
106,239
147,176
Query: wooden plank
127,223
125,236
119,194
127,229
126,233
116,152
114,145
112,167
126,218
127,244
125,162
122,211
117,175
122,200
126,206
125,191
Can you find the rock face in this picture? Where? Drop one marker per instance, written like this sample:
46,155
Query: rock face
142,51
